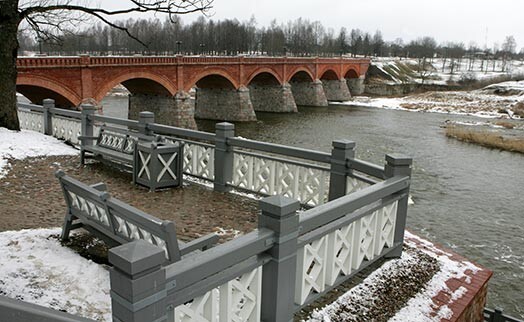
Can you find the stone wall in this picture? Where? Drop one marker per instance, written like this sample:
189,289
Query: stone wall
176,111
272,98
309,93
224,104
336,90
356,86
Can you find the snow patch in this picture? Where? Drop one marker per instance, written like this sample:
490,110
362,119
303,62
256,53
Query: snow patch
418,308
35,268
26,144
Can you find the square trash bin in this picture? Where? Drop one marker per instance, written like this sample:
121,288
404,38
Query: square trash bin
158,165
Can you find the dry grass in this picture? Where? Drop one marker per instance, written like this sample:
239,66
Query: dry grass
485,138
506,124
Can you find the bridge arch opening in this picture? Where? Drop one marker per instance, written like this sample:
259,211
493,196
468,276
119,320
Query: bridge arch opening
217,98
128,94
329,75
351,74
269,95
36,95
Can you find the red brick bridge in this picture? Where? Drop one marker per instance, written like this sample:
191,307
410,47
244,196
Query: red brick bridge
180,88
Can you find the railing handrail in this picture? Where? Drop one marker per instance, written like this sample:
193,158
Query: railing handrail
19,311
178,131
289,151
325,213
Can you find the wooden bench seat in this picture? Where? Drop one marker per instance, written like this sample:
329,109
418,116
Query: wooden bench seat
113,144
114,221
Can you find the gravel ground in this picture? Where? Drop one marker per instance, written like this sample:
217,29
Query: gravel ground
32,198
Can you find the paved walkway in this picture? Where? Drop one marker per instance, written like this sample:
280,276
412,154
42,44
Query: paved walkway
31,198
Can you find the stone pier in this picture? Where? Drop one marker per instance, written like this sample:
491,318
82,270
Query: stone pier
224,104
272,98
309,93
356,85
336,90
176,111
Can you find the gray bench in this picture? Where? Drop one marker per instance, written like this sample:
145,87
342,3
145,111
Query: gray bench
113,144
92,208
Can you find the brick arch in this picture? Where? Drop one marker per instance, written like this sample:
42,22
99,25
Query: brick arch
329,74
264,70
298,70
351,72
51,85
210,72
102,91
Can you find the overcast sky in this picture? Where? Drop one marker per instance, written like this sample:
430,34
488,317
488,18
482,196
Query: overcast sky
445,20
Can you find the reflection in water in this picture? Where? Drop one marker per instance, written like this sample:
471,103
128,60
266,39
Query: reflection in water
466,197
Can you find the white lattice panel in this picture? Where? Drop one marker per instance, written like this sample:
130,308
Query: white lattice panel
32,121
386,220
340,252
339,256
311,269
66,128
90,209
365,234
129,230
354,184
235,301
199,160
201,309
271,177
240,298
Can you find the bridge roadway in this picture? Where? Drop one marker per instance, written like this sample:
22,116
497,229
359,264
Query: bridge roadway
179,88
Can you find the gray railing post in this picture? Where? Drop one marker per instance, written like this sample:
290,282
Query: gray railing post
87,125
48,116
342,150
498,315
138,282
278,276
145,118
398,165
87,129
223,156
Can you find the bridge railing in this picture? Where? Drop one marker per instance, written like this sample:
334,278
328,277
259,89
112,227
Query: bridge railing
271,273
230,162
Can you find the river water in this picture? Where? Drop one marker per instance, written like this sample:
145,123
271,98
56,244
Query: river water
467,198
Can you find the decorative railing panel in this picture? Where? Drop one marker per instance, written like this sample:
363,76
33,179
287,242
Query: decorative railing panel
269,176
33,121
354,184
66,128
236,300
339,253
199,160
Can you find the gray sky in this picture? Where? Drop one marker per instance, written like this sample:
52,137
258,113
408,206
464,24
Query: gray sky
446,20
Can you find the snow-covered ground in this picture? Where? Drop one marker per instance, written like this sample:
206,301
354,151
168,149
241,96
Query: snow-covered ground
418,308
483,102
440,72
36,268
25,144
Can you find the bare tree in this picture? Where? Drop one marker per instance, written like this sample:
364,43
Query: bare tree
50,19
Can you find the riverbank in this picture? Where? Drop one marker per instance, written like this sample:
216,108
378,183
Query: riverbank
503,135
501,100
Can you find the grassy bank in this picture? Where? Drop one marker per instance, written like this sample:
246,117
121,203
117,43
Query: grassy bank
487,138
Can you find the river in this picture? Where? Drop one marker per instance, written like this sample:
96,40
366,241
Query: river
467,198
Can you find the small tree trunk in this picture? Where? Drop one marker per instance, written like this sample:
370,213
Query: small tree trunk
9,21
